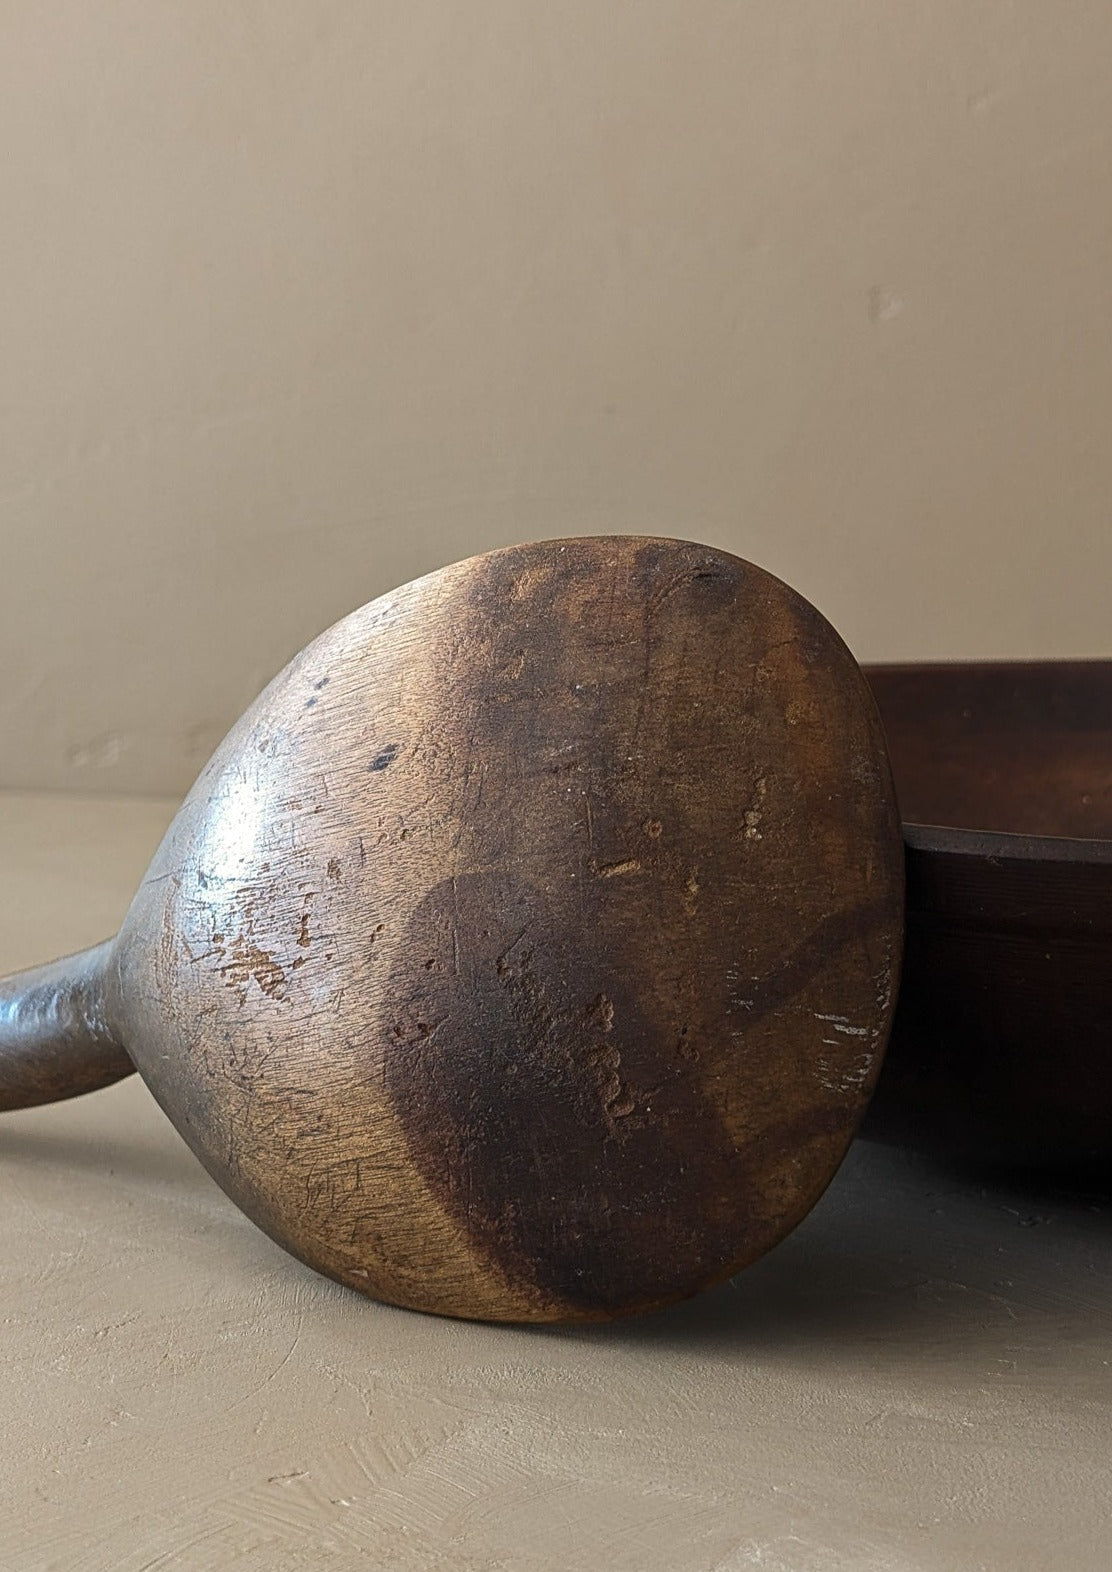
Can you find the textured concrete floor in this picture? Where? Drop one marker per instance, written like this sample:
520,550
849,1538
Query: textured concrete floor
919,1378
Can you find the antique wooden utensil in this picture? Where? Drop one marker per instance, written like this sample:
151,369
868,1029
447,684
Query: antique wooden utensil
528,949
1000,1049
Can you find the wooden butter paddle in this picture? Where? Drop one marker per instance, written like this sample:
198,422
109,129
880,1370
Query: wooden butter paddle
529,948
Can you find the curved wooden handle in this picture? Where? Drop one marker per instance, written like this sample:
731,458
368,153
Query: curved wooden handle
54,1040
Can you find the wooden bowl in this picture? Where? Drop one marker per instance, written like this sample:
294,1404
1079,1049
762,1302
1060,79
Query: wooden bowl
1001,1045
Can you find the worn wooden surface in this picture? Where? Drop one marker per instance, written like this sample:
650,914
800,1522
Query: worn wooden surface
1002,1046
529,948
916,1380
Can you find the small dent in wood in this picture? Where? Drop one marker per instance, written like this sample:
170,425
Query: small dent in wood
385,757
246,963
691,893
600,1013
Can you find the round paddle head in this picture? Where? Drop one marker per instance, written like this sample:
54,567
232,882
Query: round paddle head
528,949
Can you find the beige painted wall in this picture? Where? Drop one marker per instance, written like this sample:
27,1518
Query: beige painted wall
301,299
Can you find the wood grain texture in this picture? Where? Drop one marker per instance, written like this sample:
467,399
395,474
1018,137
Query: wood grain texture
529,948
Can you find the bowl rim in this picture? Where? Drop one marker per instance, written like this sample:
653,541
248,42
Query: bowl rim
1004,845
964,840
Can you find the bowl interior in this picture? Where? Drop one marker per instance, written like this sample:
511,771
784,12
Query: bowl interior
1024,748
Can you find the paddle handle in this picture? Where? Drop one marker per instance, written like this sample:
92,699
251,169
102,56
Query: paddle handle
54,1039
